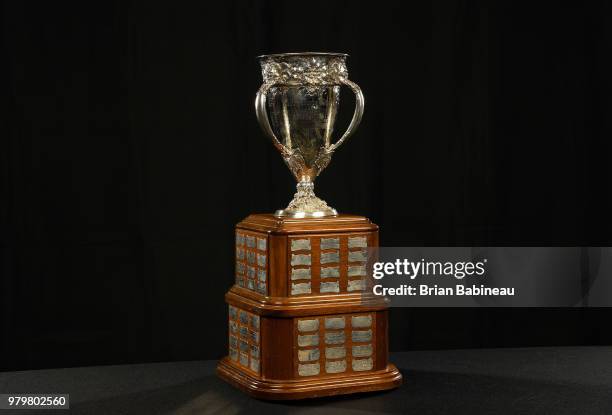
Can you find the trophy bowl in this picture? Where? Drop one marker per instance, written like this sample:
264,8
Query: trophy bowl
296,107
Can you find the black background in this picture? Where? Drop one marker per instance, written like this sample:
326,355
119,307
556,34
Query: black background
132,149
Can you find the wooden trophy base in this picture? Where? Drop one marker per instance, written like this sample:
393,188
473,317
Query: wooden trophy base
389,378
301,321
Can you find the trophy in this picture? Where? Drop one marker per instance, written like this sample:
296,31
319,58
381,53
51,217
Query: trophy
301,92
301,323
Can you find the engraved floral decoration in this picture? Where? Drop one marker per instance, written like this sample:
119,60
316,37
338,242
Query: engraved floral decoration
305,199
324,69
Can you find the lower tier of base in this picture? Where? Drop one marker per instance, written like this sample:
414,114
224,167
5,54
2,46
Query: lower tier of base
308,388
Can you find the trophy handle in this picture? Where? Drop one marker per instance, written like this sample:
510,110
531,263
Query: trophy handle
262,117
359,104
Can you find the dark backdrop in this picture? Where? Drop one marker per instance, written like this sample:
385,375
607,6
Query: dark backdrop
132,149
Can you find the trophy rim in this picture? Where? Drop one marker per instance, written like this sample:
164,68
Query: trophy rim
291,54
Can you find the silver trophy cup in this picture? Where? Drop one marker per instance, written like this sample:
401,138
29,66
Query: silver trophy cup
296,107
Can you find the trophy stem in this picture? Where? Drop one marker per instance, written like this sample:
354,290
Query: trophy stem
306,204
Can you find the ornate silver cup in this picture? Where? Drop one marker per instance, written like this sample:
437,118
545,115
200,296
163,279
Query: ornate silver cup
301,93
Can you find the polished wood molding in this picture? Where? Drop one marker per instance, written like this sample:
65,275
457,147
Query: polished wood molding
304,305
288,226
388,378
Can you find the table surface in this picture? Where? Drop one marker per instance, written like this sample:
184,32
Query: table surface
564,380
